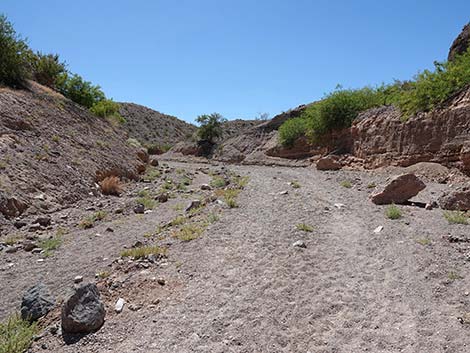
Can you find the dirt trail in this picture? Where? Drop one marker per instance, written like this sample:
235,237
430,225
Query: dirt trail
243,287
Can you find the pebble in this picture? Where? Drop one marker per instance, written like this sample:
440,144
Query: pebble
378,229
299,244
161,281
119,305
78,279
285,192
339,205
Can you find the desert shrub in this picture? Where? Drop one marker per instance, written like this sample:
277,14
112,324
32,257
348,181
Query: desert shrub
431,88
210,126
393,212
78,90
144,251
15,56
456,217
47,69
304,227
16,335
291,130
111,186
109,109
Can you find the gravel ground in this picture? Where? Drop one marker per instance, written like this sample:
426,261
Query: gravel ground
243,287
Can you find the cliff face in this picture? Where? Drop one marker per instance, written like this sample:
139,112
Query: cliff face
380,138
460,44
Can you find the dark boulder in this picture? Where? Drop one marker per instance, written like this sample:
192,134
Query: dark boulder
36,303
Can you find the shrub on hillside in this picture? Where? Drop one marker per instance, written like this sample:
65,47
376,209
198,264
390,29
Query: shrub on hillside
111,186
80,91
210,126
15,56
291,130
109,109
431,88
47,69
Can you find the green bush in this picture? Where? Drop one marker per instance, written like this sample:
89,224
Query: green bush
15,56
80,91
16,335
47,69
431,88
210,126
291,130
109,109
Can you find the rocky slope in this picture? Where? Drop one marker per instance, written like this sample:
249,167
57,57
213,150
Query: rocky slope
52,152
154,128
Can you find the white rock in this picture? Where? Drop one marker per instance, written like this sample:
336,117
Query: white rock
339,205
119,305
285,192
299,244
78,279
378,229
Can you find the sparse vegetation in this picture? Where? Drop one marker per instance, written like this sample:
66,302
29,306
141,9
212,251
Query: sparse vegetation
295,184
453,276
152,174
371,185
189,232
424,241
218,182
304,227
51,244
346,184
456,217
111,185
291,130
393,212
16,335
144,251
89,222
80,91
178,221
47,69
108,109
210,126
147,201
212,218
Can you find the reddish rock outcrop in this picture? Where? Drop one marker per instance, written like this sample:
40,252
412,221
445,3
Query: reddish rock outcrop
460,44
458,200
328,163
399,190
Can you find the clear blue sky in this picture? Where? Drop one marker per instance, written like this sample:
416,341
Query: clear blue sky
238,57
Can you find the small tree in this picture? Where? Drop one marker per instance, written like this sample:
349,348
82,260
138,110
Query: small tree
15,56
210,126
80,91
47,69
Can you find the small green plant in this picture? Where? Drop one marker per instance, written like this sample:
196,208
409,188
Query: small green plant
189,232
147,202
103,274
55,138
295,184
212,218
240,181
371,185
453,276
16,335
108,109
12,239
89,221
346,184
456,217
304,227
178,221
291,130
143,251
50,244
424,241
178,207
143,193
218,182
152,174
393,212
99,215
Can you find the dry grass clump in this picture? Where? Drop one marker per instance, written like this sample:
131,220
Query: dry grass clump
16,335
144,251
111,185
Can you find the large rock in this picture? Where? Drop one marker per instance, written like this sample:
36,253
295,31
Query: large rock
11,206
143,155
399,190
83,311
36,303
460,44
328,163
458,200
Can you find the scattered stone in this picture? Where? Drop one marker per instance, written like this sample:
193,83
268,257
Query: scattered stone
328,163
20,224
284,192
206,187
378,229
109,229
119,211
83,311
152,258
458,200
29,245
154,162
339,205
192,205
11,249
36,302
11,206
161,281
135,307
44,221
162,198
299,244
143,155
139,209
399,190
119,305
40,260
78,279
34,227
36,251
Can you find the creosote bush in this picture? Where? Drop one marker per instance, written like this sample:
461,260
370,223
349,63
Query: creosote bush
111,186
393,212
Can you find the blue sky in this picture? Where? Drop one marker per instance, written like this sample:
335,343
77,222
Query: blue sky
238,58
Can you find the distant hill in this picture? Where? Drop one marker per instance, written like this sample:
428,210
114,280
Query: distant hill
150,127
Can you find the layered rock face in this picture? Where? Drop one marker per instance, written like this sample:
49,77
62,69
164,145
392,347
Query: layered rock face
460,44
380,138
